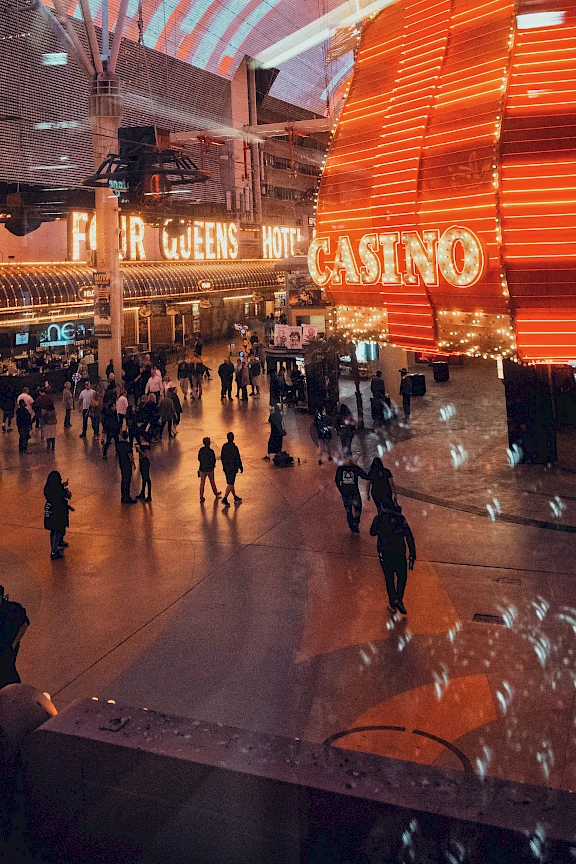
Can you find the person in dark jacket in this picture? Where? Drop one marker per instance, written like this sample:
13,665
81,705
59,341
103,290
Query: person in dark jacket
231,464
24,425
394,533
13,624
377,386
346,430
7,406
144,465
381,485
206,465
347,476
323,433
184,377
277,432
109,369
56,511
110,426
167,415
226,373
405,392
173,394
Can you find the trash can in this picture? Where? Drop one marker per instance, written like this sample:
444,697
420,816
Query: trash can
441,370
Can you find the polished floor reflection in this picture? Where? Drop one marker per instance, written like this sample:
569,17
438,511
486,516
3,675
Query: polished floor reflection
272,616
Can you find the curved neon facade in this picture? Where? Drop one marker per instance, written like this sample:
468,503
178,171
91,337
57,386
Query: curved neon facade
461,115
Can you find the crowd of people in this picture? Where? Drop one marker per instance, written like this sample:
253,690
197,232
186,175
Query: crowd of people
133,415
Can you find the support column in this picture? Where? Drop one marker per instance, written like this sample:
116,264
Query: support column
105,116
254,147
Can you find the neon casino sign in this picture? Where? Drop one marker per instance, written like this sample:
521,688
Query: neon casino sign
399,258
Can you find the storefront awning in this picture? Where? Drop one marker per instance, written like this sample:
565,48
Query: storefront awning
25,285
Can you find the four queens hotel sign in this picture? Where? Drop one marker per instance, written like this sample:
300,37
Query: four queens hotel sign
399,258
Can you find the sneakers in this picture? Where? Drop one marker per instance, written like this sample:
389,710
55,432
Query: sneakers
400,607
225,502
56,556
217,494
237,499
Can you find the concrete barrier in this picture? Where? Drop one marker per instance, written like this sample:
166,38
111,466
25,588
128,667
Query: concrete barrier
113,784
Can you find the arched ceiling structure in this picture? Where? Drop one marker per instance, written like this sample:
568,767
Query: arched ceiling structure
214,35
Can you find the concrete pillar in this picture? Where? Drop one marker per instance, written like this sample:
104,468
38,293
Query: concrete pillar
391,360
105,105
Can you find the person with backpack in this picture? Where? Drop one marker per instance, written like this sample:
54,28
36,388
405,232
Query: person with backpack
13,624
56,510
231,464
394,534
277,432
347,476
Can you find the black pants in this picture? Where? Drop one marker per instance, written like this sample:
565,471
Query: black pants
395,573
146,482
56,538
163,424
244,389
85,420
406,404
353,508
67,423
226,389
125,481
23,441
110,436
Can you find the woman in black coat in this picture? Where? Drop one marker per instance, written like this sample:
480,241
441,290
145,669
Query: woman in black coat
56,511
277,432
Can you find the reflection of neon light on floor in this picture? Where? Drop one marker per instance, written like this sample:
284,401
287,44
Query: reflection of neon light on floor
318,31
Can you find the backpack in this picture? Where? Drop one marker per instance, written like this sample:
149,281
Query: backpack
283,460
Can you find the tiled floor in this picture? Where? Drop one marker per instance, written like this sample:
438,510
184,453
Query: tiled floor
272,616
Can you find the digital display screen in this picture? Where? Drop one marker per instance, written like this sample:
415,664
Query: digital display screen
22,338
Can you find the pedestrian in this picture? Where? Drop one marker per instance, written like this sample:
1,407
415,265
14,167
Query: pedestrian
7,406
121,408
323,430
126,461
254,372
145,493
198,347
377,386
405,392
67,404
111,428
154,384
207,463
167,415
13,624
111,392
380,485
24,425
56,510
85,398
173,394
231,464
347,476
238,377
243,379
226,373
346,430
109,368
183,377
48,424
41,403
132,424
277,432
166,383
95,413
394,533
27,399
161,360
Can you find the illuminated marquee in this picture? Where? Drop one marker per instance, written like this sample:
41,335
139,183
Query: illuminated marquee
396,258
200,241
459,118
280,241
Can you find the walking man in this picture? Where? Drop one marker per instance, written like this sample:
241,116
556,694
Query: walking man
144,465
24,426
255,370
67,404
111,427
231,464
121,408
85,400
126,460
377,386
394,533
347,476
226,373
405,392
207,463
